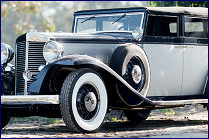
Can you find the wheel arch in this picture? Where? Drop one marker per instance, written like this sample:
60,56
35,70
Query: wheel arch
50,82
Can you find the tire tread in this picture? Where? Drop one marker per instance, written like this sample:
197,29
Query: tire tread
65,98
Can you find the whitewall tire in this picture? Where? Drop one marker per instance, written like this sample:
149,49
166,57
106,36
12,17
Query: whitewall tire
83,101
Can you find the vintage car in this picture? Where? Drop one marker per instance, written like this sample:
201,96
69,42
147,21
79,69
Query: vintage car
131,59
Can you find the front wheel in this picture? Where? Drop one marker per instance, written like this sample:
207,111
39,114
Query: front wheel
83,101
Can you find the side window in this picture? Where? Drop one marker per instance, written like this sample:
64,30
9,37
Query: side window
162,26
196,27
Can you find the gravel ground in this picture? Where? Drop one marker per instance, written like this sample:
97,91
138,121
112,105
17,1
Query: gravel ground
188,122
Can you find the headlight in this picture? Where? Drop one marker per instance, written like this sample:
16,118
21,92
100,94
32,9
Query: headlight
52,50
7,53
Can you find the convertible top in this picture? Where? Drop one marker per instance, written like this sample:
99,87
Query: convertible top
193,11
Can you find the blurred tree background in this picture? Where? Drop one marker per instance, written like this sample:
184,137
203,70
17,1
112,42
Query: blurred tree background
179,3
18,17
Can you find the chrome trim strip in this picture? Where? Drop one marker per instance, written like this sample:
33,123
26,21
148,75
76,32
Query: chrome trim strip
180,102
30,99
15,68
26,63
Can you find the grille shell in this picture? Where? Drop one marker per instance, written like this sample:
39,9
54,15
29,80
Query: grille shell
29,56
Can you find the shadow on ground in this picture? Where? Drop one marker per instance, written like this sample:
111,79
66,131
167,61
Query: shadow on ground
108,127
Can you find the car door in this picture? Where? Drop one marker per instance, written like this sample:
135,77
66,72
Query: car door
163,48
195,56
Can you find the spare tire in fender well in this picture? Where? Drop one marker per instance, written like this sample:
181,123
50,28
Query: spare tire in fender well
119,62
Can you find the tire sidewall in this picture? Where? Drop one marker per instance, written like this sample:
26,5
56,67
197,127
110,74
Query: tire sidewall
87,76
98,119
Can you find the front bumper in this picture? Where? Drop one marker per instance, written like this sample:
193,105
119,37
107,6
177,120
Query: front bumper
30,99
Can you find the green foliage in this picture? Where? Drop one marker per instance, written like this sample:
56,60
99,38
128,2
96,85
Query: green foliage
162,3
42,120
114,119
179,3
53,121
24,10
20,29
29,7
48,25
168,111
4,11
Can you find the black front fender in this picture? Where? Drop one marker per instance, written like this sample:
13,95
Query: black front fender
129,96
7,83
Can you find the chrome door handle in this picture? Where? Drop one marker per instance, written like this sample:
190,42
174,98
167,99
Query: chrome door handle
179,46
188,46
184,47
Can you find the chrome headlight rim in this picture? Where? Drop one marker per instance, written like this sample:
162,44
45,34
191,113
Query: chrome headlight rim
52,54
6,58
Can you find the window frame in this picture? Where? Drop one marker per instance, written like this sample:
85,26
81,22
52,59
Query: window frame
107,14
167,15
183,25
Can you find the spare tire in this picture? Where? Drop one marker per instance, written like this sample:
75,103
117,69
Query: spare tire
132,64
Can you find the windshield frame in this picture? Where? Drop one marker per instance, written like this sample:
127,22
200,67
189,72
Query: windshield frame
107,14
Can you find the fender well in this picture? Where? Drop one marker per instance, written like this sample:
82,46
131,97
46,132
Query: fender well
49,80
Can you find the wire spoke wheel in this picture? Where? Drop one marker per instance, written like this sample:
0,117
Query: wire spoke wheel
87,101
135,73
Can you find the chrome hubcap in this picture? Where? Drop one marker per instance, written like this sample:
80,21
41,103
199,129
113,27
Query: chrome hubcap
136,74
90,101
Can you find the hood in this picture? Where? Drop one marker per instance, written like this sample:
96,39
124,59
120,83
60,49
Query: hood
100,37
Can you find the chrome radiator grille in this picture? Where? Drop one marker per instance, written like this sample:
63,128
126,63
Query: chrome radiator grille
28,57
20,67
35,58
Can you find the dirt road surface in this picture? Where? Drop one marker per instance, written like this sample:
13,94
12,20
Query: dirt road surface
188,122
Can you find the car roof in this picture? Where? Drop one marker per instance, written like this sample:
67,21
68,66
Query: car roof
193,11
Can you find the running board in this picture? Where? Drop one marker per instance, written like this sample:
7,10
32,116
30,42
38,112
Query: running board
54,99
170,104
180,102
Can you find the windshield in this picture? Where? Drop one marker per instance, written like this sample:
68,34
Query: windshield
108,22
